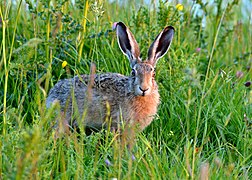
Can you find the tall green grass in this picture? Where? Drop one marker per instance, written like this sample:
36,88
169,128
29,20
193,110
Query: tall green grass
203,127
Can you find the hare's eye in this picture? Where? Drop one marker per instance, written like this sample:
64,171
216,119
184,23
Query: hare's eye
133,72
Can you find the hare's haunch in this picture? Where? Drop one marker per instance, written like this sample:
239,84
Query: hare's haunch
133,100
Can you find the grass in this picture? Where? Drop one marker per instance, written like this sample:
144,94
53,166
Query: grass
203,126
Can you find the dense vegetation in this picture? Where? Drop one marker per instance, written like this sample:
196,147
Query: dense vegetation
203,127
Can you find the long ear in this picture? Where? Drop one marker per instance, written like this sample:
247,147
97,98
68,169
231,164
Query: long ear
160,45
127,43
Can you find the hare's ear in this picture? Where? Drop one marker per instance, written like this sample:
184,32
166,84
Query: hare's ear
160,45
127,43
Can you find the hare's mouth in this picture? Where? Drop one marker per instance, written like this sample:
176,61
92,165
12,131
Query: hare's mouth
139,91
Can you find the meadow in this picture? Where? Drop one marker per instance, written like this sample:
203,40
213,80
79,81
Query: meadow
203,128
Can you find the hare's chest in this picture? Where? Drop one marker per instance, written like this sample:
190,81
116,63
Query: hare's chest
143,110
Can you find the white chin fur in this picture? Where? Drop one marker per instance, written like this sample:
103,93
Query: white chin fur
138,92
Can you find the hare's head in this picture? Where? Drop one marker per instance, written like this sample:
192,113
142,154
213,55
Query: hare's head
143,72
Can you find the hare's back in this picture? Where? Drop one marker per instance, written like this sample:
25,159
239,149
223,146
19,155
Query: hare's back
111,83
101,84
60,92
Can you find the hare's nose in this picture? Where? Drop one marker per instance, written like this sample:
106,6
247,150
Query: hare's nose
143,89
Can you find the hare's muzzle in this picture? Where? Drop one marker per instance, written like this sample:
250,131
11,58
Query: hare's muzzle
143,90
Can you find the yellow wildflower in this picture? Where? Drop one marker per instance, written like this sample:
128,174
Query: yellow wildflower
179,7
64,63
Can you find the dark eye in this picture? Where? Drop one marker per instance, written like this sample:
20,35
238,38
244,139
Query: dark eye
133,72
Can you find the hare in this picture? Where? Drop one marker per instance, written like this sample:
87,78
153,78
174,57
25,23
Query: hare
99,99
